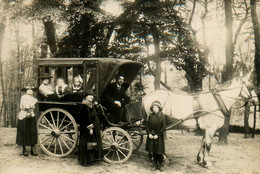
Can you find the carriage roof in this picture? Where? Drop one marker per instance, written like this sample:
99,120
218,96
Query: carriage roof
107,68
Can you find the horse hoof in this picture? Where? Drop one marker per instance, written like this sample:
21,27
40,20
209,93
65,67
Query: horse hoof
210,167
201,163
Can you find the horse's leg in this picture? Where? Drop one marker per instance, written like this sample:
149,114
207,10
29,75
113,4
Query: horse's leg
201,153
209,133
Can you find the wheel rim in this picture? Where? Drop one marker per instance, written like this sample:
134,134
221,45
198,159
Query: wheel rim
57,132
117,145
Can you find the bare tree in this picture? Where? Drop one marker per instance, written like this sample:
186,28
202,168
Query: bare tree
256,29
3,107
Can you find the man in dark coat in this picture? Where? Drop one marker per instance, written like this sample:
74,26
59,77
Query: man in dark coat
115,100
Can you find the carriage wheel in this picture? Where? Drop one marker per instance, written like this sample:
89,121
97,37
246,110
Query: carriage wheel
137,139
117,145
57,132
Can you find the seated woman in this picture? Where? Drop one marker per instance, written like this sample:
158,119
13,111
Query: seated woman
77,85
46,88
61,89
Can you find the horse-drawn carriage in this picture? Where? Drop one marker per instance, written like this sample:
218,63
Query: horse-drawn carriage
58,122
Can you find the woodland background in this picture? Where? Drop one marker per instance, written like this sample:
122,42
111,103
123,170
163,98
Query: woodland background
185,45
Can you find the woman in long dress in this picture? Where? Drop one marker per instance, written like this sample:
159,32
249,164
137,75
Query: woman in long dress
26,127
89,131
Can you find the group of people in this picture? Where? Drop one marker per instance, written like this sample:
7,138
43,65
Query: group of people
62,89
90,124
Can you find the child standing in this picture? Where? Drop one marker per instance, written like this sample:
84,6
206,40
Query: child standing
155,127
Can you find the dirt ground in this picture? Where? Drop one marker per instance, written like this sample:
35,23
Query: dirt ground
240,156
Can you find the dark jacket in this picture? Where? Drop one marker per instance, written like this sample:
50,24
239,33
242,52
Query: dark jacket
156,125
112,93
89,116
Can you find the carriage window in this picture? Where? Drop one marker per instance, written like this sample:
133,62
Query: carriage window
66,73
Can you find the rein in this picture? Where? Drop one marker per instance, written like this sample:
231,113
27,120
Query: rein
195,115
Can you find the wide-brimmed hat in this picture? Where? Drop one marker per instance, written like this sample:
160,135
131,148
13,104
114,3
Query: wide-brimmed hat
45,76
156,103
28,87
89,92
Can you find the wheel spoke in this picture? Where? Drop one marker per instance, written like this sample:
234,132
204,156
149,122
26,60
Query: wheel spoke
46,139
45,126
68,138
120,139
118,156
44,133
113,155
62,121
65,126
55,146
108,138
126,142
121,153
50,143
53,120
105,148
104,142
60,146
48,122
69,132
122,148
108,152
64,143
113,135
58,118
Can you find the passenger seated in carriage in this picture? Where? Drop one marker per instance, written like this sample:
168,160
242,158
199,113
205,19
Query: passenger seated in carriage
61,89
46,89
115,99
77,85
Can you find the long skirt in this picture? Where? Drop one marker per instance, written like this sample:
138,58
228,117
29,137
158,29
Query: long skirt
85,156
26,132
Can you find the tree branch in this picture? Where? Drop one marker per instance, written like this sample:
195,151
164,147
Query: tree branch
242,22
192,12
151,71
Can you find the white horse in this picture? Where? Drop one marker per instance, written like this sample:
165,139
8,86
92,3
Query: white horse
206,110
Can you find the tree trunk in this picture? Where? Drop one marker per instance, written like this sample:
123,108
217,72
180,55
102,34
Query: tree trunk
229,66
246,117
254,123
223,132
157,57
2,30
256,28
50,33
229,41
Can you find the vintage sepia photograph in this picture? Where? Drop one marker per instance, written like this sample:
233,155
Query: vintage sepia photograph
129,86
